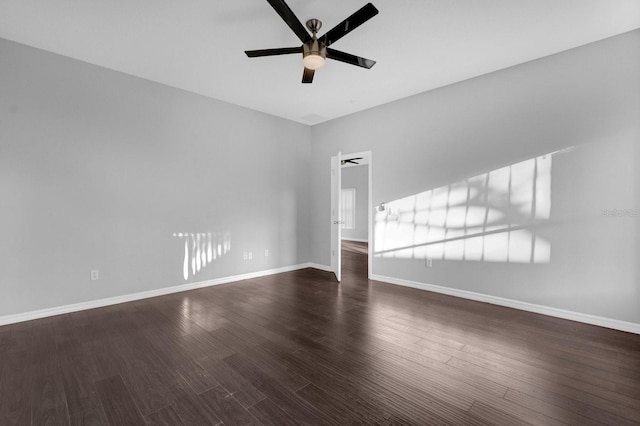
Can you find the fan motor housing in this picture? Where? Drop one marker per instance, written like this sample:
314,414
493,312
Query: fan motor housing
314,47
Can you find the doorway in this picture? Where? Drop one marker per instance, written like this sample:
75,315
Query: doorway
352,213
354,206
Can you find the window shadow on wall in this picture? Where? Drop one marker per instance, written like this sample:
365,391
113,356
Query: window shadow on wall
201,249
492,217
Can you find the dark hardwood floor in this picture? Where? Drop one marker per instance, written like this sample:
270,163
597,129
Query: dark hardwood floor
297,348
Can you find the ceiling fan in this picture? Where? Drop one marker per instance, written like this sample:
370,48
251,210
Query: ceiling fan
315,50
351,161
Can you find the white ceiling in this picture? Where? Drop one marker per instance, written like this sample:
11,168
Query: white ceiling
198,45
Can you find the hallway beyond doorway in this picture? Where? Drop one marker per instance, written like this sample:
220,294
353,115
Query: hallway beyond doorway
355,258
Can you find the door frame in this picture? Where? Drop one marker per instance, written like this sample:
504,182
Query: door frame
369,156
336,220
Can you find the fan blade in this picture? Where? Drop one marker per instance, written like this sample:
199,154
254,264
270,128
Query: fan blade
367,12
350,59
291,19
272,52
307,75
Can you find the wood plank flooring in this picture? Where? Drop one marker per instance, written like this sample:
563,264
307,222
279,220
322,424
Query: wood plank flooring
297,348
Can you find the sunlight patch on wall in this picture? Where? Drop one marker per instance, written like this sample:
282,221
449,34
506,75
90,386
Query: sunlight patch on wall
492,217
201,249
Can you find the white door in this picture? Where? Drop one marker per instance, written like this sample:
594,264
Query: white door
336,220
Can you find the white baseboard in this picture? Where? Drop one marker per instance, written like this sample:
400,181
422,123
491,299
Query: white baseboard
320,267
523,306
357,240
49,312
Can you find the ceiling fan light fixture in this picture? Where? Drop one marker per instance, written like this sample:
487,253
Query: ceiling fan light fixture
313,61
314,54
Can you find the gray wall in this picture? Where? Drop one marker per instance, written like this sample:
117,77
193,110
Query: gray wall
99,169
585,101
358,177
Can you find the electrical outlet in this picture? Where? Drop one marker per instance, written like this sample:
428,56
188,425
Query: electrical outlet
244,256
428,263
250,255
266,253
95,275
